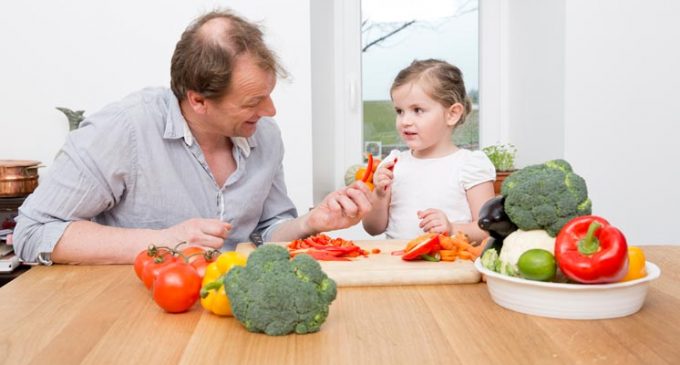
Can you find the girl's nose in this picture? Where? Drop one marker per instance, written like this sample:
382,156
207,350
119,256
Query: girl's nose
404,120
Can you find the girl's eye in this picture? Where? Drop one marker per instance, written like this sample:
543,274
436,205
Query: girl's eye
399,111
418,110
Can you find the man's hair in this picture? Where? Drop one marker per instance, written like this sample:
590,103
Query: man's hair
443,83
203,60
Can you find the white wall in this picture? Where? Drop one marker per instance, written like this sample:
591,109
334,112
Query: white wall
596,82
86,54
622,87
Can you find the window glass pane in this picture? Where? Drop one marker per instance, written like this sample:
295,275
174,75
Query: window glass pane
395,33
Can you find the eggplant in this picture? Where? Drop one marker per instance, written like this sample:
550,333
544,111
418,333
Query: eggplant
492,218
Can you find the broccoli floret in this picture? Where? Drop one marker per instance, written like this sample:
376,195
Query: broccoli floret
276,295
545,196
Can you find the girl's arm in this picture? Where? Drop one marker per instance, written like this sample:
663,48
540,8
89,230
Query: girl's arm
375,221
476,196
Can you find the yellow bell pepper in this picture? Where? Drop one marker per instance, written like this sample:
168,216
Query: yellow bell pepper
636,264
213,296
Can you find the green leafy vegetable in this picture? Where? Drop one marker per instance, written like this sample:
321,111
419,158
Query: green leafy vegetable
545,196
278,296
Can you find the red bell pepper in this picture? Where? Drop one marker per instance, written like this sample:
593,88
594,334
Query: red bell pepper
423,248
590,251
369,169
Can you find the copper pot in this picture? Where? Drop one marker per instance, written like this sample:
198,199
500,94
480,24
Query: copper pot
18,178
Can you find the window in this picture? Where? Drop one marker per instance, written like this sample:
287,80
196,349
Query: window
392,37
338,129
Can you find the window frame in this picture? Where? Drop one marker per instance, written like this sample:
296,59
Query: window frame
347,123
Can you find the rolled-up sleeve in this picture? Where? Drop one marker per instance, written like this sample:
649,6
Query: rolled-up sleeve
278,207
88,176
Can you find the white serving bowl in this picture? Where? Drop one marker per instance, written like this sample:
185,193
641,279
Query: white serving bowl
569,301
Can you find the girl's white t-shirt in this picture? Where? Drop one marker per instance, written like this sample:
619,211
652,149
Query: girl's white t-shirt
438,183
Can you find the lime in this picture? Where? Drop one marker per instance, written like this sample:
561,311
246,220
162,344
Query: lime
537,264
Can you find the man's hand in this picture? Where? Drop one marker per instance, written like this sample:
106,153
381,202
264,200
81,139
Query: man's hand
434,221
341,209
200,231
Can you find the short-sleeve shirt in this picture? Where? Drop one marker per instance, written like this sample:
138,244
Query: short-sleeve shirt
135,164
438,183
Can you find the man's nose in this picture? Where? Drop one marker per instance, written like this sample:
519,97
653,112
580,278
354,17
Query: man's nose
267,108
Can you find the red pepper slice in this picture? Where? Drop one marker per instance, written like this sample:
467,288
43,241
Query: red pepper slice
391,168
589,250
326,256
369,169
421,248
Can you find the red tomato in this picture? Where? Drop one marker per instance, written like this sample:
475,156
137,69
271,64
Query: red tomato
142,259
192,252
176,287
145,257
151,269
199,258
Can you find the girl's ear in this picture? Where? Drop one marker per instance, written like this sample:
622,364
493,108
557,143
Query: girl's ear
197,102
453,114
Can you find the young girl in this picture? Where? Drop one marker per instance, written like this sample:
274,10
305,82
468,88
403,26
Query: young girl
434,186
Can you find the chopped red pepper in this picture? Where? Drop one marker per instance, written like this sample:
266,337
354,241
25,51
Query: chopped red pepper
323,247
428,244
589,250
391,168
326,256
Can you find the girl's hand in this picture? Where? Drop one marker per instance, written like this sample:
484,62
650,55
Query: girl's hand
434,221
383,177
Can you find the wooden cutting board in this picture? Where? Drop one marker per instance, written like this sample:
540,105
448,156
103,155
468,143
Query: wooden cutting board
386,269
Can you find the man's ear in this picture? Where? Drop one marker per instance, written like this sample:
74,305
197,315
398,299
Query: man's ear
453,114
197,102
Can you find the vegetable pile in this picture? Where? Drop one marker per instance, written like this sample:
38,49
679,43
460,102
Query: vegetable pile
276,295
587,250
173,275
542,225
325,248
440,247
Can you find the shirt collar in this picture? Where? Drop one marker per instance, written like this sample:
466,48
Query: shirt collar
177,127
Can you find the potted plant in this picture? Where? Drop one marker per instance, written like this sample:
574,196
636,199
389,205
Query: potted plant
74,117
502,156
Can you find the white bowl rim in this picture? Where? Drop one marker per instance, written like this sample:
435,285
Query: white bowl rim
653,272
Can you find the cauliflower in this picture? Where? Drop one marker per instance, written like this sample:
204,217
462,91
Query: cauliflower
519,242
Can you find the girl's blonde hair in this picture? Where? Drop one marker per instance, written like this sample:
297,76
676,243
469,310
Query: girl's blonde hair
444,81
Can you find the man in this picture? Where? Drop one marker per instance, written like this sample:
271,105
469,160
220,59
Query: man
201,163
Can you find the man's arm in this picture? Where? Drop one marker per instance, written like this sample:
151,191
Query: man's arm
340,209
92,243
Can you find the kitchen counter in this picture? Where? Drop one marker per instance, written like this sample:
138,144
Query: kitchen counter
104,315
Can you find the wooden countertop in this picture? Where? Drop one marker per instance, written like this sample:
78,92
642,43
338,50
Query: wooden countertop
104,315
